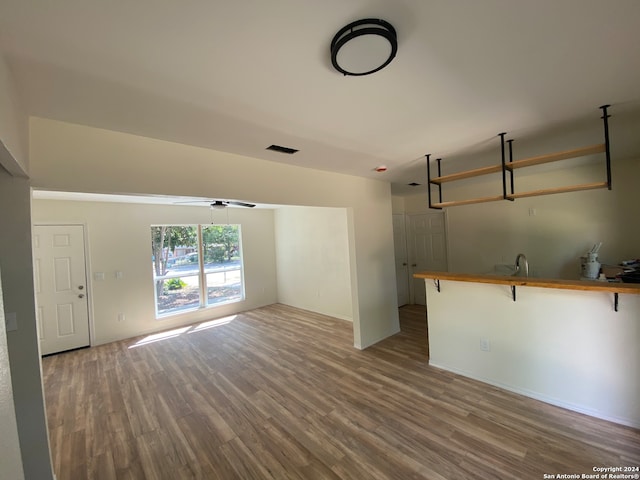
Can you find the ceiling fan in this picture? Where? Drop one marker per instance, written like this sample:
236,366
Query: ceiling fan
221,204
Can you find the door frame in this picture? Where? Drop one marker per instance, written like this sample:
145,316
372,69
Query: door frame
408,278
87,268
412,297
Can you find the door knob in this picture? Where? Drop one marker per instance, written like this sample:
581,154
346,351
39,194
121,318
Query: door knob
404,264
80,287
81,295
414,264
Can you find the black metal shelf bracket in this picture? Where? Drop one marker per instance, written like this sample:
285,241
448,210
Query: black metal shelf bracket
439,185
429,182
513,292
436,282
615,301
504,169
510,142
605,119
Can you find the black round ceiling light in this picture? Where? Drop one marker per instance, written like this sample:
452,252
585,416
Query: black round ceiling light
364,47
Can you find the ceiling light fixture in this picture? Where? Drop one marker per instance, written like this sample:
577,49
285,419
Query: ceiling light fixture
364,47
218,205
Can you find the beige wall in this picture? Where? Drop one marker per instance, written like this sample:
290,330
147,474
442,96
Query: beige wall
565,347
10,460
397,205
24,355
119,240
77,158
13,125
15,262
312,246
555,234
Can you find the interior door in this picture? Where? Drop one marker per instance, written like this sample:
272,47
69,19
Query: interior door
401,257
62,308
427,242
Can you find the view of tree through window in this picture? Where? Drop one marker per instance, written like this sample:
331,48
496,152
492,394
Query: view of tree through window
184,281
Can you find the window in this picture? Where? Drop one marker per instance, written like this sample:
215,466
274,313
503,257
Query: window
196,266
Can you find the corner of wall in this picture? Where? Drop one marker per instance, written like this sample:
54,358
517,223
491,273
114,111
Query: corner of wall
23,347
10,454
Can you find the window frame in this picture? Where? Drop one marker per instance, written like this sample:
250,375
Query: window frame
203,288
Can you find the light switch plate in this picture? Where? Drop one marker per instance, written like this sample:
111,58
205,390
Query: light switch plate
98,276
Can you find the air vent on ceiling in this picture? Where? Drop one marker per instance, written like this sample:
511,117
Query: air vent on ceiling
278,148
413,184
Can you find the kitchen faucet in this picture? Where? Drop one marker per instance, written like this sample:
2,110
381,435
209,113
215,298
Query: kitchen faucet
526,265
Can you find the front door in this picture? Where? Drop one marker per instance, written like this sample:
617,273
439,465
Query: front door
62,309
427,250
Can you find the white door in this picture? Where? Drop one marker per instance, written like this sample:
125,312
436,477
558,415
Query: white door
402,260
427,241
61,287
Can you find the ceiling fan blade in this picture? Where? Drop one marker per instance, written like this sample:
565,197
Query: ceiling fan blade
241,204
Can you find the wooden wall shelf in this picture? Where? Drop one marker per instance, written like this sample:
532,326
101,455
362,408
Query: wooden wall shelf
510,166
555,157
513,282
550,191
467,174
468,202
585,285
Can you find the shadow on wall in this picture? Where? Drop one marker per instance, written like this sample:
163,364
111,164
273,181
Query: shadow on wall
569,269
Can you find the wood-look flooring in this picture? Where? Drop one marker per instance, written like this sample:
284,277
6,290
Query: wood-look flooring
281,393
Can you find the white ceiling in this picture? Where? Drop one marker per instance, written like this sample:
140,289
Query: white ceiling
139,199
237,76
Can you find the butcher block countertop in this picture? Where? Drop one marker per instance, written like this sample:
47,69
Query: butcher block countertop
594,286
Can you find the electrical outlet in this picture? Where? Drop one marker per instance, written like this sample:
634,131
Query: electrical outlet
485,345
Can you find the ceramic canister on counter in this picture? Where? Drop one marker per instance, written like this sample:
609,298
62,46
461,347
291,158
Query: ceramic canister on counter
590,266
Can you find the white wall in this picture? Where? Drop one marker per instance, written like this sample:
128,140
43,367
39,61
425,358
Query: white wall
78,158
13,125
569,348
24,356
10,460
397,205
15,261
119,240
564,227
312,246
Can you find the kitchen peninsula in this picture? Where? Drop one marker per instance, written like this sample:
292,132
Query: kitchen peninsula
575,344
